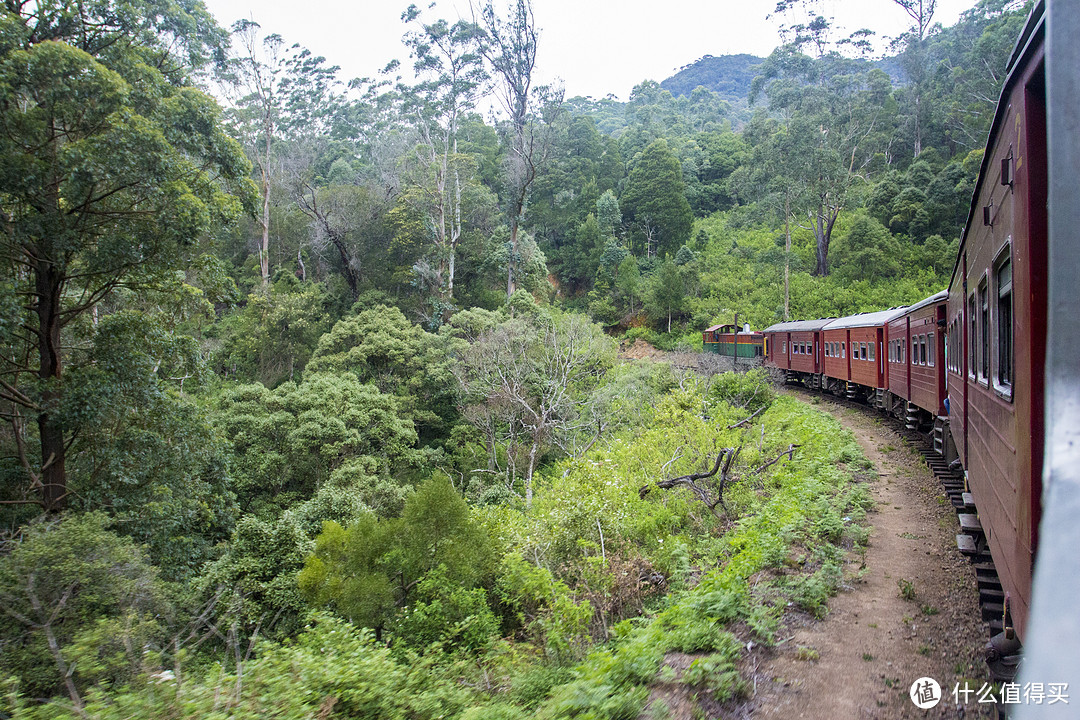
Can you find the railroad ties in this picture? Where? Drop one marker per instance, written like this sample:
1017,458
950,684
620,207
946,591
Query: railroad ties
971,540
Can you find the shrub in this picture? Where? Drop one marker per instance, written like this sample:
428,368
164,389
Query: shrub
752,390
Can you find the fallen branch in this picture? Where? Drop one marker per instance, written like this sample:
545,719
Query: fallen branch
746,420
790,453
724,460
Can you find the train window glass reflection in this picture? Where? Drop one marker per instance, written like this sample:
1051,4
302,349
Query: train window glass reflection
922,350
972,335
984,331
930,349
872,348
1003,377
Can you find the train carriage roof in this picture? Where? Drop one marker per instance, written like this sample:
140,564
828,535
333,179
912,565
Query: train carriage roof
798,326
866,319
933,299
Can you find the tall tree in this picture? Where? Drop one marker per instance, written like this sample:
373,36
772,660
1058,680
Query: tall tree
113,172
275,90
914,58
509,46
447,62
655,199
527,383
832,111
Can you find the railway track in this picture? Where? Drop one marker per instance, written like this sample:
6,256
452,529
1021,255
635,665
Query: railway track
970,538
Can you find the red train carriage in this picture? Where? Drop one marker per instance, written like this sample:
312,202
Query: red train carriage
997,326
854,359
916,361
795,348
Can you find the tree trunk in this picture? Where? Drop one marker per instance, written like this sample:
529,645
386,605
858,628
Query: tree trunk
343,253
529,475
787,256
823,224
264,248
455,230
511,283
49,287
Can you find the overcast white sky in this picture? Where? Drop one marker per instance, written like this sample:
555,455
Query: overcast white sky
595,46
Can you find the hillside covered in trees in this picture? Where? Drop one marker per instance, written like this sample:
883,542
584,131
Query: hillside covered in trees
310,385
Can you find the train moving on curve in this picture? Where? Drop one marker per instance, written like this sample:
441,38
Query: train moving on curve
969,365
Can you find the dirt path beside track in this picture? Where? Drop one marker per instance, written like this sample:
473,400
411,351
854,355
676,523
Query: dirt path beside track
909,607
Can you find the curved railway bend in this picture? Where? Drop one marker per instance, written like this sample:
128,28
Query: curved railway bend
860,661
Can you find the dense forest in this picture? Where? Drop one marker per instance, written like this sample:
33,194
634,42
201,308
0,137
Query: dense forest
311,391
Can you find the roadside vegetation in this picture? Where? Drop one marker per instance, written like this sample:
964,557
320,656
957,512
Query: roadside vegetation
311,400
489,610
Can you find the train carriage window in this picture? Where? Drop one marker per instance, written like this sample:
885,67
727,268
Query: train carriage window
785,347
1003,375
872,348
973,328
843,349
930,349
921,349
862,351
984,331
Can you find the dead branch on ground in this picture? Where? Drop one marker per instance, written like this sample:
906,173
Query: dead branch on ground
748,419
724,460
790,453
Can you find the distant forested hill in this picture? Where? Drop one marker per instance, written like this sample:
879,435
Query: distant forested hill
728,75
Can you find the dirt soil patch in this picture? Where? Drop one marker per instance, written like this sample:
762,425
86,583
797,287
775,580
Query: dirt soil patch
640,350
909,607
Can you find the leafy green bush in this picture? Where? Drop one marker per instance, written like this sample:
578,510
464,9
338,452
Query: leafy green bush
752,391
81,604
447,613
369,570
